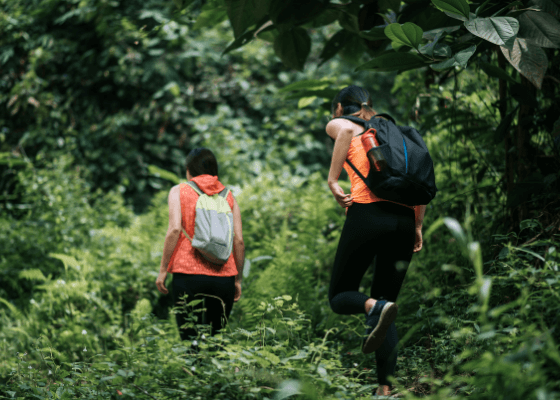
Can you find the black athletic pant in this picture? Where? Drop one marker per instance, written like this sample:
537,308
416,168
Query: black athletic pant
386,231
203,287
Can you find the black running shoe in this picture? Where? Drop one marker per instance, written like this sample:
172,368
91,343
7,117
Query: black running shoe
379,319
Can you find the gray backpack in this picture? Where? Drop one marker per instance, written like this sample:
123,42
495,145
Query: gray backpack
213,226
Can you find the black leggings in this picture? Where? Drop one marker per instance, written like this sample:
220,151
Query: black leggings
203,287
384,231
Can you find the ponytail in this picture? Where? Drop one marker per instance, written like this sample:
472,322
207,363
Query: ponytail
354,100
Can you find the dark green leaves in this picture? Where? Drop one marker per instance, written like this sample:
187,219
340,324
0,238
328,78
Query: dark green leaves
408,34
245,13
495,72
497,30
458,9
530,61
293,47
335,44
436,49
460,59
540,29
394,62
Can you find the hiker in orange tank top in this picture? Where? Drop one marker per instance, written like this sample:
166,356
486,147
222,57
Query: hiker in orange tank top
193,275
375,228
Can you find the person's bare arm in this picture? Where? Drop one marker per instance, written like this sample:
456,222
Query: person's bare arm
419,212
238,244
419,215
238,249
172,236
341,131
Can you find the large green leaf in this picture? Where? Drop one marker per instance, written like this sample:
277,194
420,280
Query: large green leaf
408,34
293,47
540,28
460,59
335,44
528,59
245,13
394,62
163,174
240,41
497,30
457,8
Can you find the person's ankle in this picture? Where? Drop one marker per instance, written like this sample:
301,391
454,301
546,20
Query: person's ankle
383,390
370,303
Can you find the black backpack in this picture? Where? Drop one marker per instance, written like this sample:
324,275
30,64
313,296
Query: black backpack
409,177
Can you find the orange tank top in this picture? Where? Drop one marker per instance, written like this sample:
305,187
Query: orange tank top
359,190
185,258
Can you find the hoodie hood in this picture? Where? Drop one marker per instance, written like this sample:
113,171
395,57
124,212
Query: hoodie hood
209,184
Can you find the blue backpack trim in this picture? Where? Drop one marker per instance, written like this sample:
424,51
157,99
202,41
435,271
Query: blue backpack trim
405,154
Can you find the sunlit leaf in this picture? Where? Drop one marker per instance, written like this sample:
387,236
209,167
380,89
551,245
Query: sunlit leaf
497,30
32,274
408,34
161,173
287,389
530,60
456,230
306,101
67,260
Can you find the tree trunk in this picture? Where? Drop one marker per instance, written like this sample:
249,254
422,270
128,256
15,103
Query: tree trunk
524,163
510,171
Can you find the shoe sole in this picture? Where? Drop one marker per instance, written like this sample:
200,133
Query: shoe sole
377,336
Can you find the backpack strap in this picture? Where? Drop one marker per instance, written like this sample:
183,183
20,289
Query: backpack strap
364,123
195,187
224,193
356,120
358,172
385,117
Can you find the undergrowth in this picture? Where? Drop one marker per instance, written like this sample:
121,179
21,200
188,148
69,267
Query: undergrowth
477,318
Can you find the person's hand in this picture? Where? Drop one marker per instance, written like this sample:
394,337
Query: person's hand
237,294
345,200
418,240
160,282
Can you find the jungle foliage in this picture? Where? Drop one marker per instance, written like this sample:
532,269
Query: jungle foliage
100,102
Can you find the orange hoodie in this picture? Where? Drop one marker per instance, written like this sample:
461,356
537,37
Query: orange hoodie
186,259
